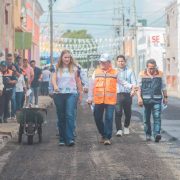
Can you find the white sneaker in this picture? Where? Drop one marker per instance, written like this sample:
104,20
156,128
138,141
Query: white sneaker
36,106
126,130
119,133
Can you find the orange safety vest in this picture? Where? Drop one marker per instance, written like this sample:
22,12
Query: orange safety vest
8,73
105,91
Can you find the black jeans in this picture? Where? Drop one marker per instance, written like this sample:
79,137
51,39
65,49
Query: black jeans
124,102
4,104
44,88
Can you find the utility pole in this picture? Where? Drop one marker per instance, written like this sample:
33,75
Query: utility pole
134,31
51,30
123,33
118,25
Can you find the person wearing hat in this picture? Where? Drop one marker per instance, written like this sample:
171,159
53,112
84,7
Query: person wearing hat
103,94
9,80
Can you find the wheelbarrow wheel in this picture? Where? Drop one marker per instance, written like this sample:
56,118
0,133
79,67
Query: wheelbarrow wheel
30,139
20,133
40,133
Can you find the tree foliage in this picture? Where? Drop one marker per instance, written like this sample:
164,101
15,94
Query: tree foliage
78,34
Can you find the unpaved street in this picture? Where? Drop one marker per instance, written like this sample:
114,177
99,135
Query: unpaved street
128,158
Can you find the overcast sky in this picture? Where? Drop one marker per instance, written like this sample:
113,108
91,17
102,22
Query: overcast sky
152,10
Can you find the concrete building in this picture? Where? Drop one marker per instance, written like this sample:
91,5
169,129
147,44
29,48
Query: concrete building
173,46
142,44
20,18
34,11
2,26
150,44
7,26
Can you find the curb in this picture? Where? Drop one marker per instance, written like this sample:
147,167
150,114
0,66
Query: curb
6,136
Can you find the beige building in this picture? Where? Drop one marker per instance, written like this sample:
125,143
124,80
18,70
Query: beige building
7,26
173,46
20,18
31,11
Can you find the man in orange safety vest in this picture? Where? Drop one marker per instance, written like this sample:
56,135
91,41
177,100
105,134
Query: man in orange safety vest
103,94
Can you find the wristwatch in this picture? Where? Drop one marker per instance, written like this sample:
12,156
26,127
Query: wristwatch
166,97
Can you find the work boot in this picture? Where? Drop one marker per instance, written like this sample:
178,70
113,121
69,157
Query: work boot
107,142
101,141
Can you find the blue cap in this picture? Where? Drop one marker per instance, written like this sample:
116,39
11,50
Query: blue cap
3,63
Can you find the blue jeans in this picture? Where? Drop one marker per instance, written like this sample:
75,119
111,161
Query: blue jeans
65,105
155,110
75,117
19,98
35,93
13,102
104,127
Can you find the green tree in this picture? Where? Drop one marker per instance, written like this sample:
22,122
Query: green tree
79,34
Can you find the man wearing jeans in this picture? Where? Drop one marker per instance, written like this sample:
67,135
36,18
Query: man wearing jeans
103,93
14,69
151,93
35,83
9,81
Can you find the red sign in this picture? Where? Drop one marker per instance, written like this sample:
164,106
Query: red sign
155,39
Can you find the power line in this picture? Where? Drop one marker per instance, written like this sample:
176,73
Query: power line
92,11
77,12
157,20
89,24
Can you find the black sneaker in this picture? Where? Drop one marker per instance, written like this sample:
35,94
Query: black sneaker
157,138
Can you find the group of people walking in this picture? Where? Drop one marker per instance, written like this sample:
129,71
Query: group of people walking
110,89
19,84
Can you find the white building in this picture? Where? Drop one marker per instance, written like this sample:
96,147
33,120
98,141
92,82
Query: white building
173,46
150,44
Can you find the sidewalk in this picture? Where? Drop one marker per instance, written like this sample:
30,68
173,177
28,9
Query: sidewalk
10,129
170,117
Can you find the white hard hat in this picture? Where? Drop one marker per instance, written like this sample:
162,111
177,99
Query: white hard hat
105,57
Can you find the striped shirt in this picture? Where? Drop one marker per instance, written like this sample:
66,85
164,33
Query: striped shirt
128,75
